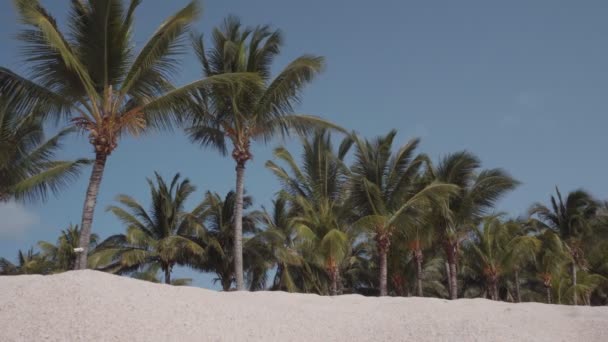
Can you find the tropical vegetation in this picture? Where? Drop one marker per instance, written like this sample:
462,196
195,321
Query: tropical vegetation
353,214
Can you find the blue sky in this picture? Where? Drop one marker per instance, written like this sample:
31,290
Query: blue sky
522,84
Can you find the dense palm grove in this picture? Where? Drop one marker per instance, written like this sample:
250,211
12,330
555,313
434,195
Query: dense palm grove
353,215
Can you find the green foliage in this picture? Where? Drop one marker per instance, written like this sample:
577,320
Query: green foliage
165,236
28,171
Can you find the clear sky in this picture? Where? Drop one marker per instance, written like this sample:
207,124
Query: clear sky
522,83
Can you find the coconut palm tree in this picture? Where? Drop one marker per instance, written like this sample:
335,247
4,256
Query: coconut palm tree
242,115
150,273
281,237
166,236
28,262
317,193
497,250
389,192
479,191
27,168
572,221
552,259
217,216
92,75
62,254
523,247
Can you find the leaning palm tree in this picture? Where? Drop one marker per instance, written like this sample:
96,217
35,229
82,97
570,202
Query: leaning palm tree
572,221
389,192
27,168
242,115
479,192
92,75
166,236
61,254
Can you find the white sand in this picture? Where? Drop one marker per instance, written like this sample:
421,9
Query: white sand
94,306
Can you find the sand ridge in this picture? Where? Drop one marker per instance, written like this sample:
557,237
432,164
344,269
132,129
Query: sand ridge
95,306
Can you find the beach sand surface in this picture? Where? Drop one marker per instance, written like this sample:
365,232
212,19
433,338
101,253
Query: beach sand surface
95,306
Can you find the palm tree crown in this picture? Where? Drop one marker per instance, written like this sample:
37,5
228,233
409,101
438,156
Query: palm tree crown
165,236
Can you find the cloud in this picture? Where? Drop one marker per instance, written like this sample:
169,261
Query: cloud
15,220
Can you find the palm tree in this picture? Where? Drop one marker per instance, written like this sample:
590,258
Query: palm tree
281,237
571,220
389,192
552,259
217,216
150,273
164,237
29,262
524,246
479,191
497,251
92,76
62,254
243,115
317,193
27,168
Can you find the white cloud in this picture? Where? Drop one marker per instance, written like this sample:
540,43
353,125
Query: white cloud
15,220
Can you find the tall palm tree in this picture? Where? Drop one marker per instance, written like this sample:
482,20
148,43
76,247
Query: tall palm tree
92,76
389,193
572,221
165,236
61,254
479,192
27,168
243,115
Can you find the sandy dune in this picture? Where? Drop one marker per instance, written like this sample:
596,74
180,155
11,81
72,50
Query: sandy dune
94,306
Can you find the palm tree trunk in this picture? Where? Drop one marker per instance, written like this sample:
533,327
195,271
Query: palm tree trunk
334,275
418,257
494,290
167,276
453,281
277,284
548,291
574,296
383,272
447,272
89,209
517,290
226,282
450,252
238,227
